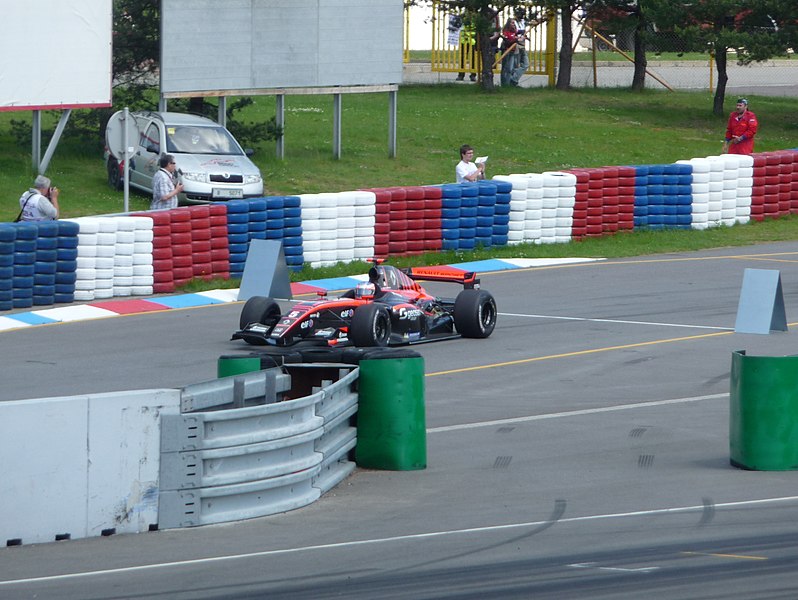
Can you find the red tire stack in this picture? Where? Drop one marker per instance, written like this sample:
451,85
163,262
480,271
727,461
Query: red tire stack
626,198
397,242
201,267
220,253
579,227
433,238
414,203
182,259
595,202
162,277
761,207
609,213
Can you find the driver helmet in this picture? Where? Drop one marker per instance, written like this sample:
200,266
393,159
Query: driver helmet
365,291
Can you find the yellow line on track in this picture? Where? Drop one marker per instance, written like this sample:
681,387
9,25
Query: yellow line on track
523,361
735,556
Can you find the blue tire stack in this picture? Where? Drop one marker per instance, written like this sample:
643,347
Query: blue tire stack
258,219
66,262
275,218
486,211
469,209
501,217
292,233
8,235
451,199
45,265
663,196
24,265
237,235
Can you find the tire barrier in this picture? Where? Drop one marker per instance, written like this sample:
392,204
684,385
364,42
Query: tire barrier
37,263
267,454
391,420
763,415
604,202
211,241
337,227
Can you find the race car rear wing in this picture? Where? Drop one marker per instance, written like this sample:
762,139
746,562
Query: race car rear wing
467,278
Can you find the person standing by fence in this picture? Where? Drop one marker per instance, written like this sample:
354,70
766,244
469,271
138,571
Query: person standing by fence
740,130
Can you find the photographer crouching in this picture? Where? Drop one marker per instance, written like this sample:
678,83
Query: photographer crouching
39,203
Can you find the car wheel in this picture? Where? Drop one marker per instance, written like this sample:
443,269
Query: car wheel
259,309
115,179
475,313
370,326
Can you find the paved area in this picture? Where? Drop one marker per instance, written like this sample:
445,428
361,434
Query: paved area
581,451
771,78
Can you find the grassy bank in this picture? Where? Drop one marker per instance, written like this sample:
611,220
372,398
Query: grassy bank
522,130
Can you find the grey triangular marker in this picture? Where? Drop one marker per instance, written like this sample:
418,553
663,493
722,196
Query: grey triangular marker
265,271
761,307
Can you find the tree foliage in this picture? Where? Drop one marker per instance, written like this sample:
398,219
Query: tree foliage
748,28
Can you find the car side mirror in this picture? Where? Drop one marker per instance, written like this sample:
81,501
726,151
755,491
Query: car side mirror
152,149
249,151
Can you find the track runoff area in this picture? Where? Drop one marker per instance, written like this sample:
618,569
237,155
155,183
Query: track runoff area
592,422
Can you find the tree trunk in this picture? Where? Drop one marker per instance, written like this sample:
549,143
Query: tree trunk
723,77
485,49
566,49
641,62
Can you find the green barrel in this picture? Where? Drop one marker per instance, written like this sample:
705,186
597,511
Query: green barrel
763,412
391,422
236,364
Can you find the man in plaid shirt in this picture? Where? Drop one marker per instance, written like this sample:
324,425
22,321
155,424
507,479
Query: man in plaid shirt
164,190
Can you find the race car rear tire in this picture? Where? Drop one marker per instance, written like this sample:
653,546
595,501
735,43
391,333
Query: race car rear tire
370,326
259,309
475,313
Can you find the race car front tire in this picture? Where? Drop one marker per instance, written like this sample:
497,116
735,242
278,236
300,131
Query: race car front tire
370,326
259,309
475,313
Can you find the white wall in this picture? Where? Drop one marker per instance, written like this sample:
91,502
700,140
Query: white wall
79,465
55,54
262,44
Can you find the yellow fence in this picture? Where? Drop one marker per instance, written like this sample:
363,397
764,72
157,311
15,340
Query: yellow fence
458,53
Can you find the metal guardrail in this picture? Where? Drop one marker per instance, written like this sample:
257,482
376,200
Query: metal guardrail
241,460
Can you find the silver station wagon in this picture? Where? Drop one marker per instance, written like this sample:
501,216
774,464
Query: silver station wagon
211,164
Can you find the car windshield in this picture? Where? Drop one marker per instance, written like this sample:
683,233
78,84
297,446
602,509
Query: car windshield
200,140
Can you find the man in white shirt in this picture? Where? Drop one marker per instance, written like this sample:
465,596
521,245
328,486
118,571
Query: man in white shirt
39,203
466,170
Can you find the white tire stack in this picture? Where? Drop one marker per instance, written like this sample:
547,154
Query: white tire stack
559,197
365,211
518,206
86,271
700,191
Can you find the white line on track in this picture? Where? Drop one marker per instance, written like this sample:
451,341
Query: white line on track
400,538
574,413
615,321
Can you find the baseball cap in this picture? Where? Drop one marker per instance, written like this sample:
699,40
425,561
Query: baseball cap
742,101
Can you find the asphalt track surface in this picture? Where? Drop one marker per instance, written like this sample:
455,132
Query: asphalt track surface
580,452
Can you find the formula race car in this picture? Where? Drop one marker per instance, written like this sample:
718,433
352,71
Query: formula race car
390,309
